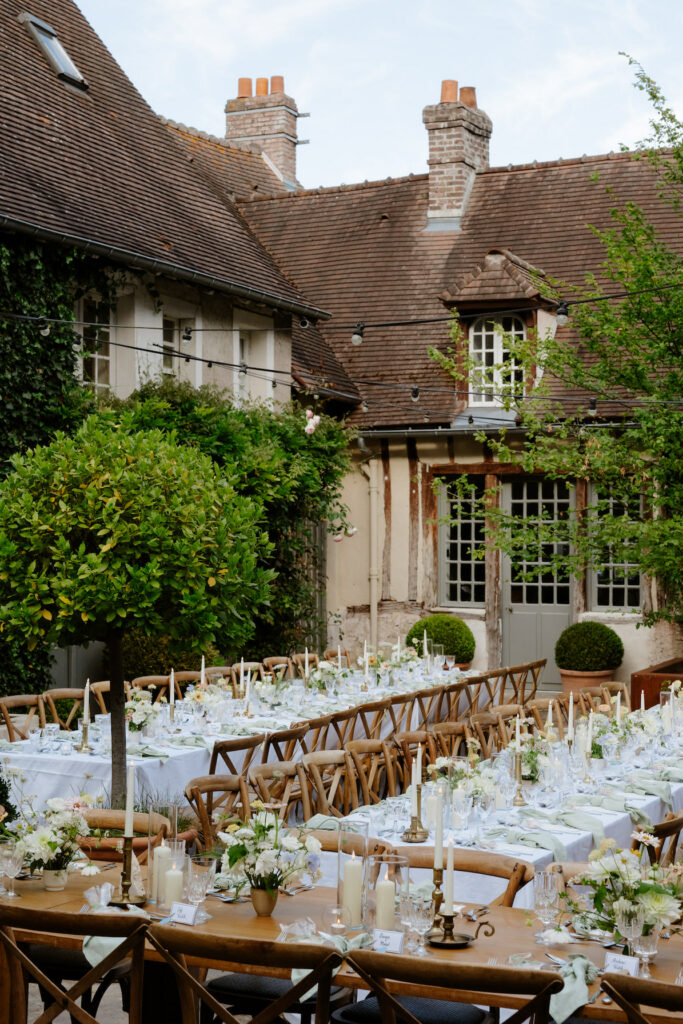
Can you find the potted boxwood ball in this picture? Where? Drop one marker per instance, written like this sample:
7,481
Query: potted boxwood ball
587,654
455,635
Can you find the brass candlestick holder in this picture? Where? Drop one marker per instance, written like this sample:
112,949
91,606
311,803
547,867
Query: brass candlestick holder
171,714
365,687
437,898
416,832
518,800
445,936
84,748
587,777
125,899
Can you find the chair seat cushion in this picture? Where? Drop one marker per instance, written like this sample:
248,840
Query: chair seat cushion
248,988
65,964
428,1011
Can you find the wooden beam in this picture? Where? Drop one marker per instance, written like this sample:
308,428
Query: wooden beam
386,552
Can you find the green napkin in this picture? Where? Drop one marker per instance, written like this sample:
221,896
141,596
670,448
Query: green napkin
575,819
6,745
615,802
672,773
147,751
645,782
97,947
192,741
540,839
327,822
341,944
578,974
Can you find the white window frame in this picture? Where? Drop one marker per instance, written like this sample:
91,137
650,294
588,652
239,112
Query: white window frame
55,54
487,345
449,537
99,356
595,586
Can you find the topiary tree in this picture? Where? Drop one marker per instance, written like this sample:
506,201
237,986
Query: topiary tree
114,529
588,647
455,635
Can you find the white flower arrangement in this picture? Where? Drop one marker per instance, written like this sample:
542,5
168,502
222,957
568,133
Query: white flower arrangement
140,710
206,695
263,853
54,843
325,674
406,657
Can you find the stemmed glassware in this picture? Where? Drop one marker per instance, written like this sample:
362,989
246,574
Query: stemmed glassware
200,875
546,896
629,920
11,862
645,947
420,921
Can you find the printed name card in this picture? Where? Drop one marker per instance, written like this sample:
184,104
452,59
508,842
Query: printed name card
183,913
386,941
622,964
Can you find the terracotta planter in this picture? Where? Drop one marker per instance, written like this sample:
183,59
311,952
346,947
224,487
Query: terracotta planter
54,881
649,681
263,901
572,681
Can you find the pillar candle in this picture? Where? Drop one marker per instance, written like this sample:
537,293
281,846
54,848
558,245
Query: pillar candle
86,703
171,689
570,719
130,800
618,710
161,857
385,898
173,885
352,888
448,886
202,673
438,834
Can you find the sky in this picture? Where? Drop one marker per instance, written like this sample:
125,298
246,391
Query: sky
547,72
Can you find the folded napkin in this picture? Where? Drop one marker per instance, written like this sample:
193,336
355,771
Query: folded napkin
342,944
615,802
578,974
536,837
193,740
326,822
578,820
645,782
140,750
6,745
97,947
672,773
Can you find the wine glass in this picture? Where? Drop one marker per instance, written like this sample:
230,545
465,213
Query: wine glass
420,922
645,948
546,896
11,863
629,919
201,871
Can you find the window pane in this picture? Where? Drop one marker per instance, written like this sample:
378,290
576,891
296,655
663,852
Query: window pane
465,534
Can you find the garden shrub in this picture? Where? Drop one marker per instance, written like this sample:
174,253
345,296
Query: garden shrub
588,647
455,635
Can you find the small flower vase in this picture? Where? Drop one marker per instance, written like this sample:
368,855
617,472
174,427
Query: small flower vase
263,901
54,881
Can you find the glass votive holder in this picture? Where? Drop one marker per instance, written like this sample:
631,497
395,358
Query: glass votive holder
351,866
388,883
165,857
335,921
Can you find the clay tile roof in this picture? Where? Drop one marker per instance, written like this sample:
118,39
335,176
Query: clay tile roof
99,167
501,277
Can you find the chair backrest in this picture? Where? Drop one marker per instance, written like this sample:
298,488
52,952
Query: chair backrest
279,784
329,840
407,744
379,970
299,662
285,744
538,709
485,727
610,690
144,824
667,833
175,945
211,796
478,862
131,929
458,701
524,680
399,712
184,678
332,655
97,692
252,669
341,728
450,739
159,686
280,666
370,718
34,711
590,699
315,737
73,696
426,703
227,751
632,993
371,761
492,691
328,790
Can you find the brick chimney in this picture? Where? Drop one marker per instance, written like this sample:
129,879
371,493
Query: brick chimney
459,136
267,118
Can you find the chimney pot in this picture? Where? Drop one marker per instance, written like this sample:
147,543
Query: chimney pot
277,83
449,91
468,96
261,86
243,88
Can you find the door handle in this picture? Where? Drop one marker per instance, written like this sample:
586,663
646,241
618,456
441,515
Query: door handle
510,608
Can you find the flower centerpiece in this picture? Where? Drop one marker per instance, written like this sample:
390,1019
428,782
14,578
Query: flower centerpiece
405,656
472,775
52,844
324,676
534,750
625,880
140,710
207,695
265,854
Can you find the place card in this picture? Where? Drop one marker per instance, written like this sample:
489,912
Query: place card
183,913
386,941
622,964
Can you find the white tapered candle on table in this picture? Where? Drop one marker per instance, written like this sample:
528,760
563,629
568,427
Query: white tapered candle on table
86,703
419,764
306,662
642,700
447,907
171,689
618,709
241,675
130,801
549,722
570,718
339,656
438,834
517,733
398,644
202,673
589,741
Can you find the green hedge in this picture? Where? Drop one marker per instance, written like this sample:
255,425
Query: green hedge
457,637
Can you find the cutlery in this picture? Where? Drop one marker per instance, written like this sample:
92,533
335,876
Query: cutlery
299,888
556,959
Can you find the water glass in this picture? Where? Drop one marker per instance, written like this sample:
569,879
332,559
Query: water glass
645,948
629,921
11,863
421,921
200,873
546,896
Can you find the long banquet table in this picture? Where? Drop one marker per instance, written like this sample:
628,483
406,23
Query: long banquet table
512,934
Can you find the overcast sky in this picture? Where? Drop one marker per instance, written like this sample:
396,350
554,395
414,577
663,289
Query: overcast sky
547,72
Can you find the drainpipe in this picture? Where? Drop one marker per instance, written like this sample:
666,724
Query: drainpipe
371,473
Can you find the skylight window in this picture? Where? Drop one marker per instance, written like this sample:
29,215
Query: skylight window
47,40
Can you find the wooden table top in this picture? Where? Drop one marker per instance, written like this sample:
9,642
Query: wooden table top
514,932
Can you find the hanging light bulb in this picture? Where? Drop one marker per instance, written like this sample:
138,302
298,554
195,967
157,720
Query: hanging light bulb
187,334
209,365
592,407
243,369
415,394
43,327
562,314
364,407
427,417
357,336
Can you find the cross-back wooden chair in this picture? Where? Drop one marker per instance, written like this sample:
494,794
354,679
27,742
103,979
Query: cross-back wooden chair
458,701
332,654
524,680
491,728
31,706
668,833
73,696
478,693
252,669
590,699
159,685
426,705
235,754
399,712
154,825
370,719
329,790
279,784
299,662
211,795
406,744
373,767
315,737
450,739
279,666
285,744
610,690
495,865
492,692
633,993
24,963
538,710
98,693
379,970
267,1002
341,728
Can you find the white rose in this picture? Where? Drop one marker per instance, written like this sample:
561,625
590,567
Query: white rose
290,842
56,803
312,844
